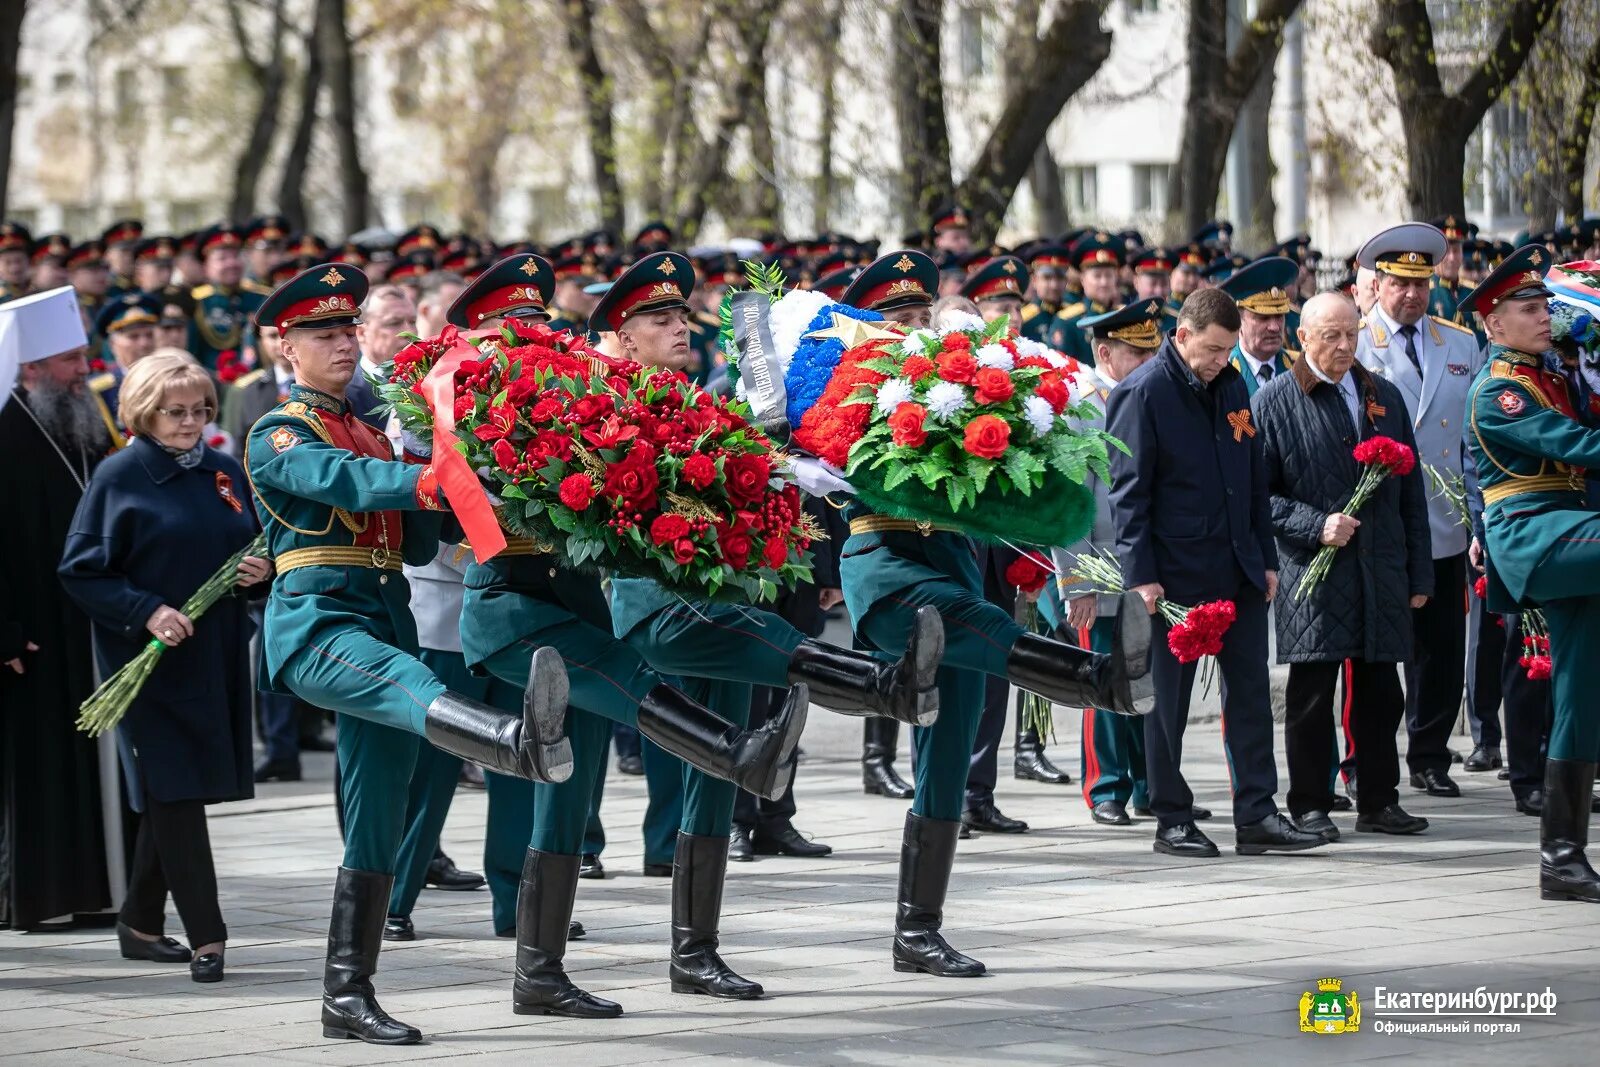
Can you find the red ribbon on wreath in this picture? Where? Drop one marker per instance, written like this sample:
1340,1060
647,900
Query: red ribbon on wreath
466,496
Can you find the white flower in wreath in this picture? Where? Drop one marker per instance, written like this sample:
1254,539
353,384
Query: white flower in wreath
790,317
995,356
959,322
1040,415
916,342
1026,346
946,398
893,393
1056,359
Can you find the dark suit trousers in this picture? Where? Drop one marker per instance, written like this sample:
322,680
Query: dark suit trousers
1437,671
1376,703
1486,647
173,854
984,770
1246,725
1530,710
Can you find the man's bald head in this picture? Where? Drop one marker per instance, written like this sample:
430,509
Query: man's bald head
1328,305
1329,326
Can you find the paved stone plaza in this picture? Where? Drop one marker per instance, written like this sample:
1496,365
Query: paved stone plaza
1100,951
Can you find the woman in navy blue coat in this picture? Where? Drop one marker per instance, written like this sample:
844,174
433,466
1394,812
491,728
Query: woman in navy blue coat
158,519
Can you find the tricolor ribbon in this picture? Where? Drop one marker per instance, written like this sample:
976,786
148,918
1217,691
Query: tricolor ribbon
461,488
1240,421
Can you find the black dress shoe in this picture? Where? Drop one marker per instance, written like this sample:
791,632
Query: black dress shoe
443,874
658,870
1455,757
1184,839
1196,813
1317,822
399,928
591,867
1435,783
207,968
878,778
1482,759
471,776
787,842
740,850
1532,802
1391,820
1342,803
161,950
575,931
278,770
1504,774
985,818
1032,765
1275,833
317,743
633,765
1110,813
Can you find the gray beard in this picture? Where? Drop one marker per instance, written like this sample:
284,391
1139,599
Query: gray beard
73,422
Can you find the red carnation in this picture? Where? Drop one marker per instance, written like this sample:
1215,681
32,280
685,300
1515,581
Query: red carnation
699,471
987,437
919,367
958,367
465,404
522,390
546,409
505,455
775,552
994,386
1539,668
1201,629
1386,452
1028,572
1480,588
683,551
633,480
747,478
955,340
549,444
906,425
593,408
667,528
576,491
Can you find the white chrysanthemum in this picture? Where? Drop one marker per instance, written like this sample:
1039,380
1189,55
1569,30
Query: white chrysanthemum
959,322
946,398
1027,346
995,356
1040,415
916,342
1056,359
789,318
893,393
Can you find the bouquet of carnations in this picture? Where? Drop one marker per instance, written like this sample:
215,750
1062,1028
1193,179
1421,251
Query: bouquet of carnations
616,465
1379,457
1029,572
1535,658
1192,632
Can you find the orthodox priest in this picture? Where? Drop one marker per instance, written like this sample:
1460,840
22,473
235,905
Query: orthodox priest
52,834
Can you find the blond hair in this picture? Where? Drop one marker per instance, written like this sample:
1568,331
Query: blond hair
148,382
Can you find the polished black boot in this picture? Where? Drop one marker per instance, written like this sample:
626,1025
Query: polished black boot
759,761
533,747
927,853
355,934
1066,674
855,683
544,916
1564,871
880,739
1029,761
699,866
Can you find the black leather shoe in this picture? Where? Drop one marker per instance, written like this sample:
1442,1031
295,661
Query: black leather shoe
278,770
1435,783
1196,813
1455,757
787,842
878,778
1275,833
1184,839
1482,759
1342,803
658,870
161,950
1317,822
471,777
575,931
700,867
1504,774
207,968
985,818
880,738
1110,813
1531,802
443,874
1031,764
633,765
1391,820
591,867
927,852
399,928
740,849
350,1008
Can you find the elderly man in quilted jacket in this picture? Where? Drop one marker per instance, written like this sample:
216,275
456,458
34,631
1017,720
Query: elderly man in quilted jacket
1357,620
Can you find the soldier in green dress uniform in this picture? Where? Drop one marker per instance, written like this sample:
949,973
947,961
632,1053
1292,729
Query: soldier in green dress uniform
119,241
1262,292
1543,541
340,515
1047,288
1444,288
226,300
16,264
48,262
997,287
895,570
153,260
1099,258
571,307
88,276
1152,280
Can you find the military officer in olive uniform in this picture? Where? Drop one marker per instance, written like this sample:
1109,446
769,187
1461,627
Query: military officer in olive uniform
1433,361
1543,542
226,300
119,241
340,516
1444,288
1262,292
1099,258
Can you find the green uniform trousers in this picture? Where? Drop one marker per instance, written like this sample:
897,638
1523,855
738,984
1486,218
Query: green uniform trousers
1572,565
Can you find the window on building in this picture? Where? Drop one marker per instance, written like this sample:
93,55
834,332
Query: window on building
419,204
1082,195
24,84
1142,7
174,93
550,208
79,220
969,34
186,215
30,219
1150,184
63,81
125,92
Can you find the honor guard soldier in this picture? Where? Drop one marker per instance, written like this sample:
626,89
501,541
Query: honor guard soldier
1543,541
48,262
997,288
87,274
1099,258
16,264
153,260
1262,292
1433,361
571,308
951,229
340,516
899,286
1187,264
265,238
1152,280
225,301
1047,289
1444,288
119,241
653,236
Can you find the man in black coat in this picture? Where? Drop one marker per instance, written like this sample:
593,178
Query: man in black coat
1193,524
1358,618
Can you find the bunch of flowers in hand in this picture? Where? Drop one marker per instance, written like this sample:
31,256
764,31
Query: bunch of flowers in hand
1379,457
1535,658
616,465
1192,632
1029,572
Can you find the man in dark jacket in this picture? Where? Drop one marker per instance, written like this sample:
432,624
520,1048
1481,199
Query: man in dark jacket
1356,619
1193,524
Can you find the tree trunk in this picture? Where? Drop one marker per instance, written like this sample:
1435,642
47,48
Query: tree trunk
1574,149
766,212
10,47
339,68
916,65
292,186
597,103
1050,202
269,78
1257,212
1436,163
828,75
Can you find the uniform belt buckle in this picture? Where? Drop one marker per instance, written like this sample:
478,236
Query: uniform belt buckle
924,528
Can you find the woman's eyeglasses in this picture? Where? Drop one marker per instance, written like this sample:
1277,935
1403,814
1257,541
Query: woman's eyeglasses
199,414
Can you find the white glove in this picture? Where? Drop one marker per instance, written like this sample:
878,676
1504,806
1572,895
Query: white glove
819,478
